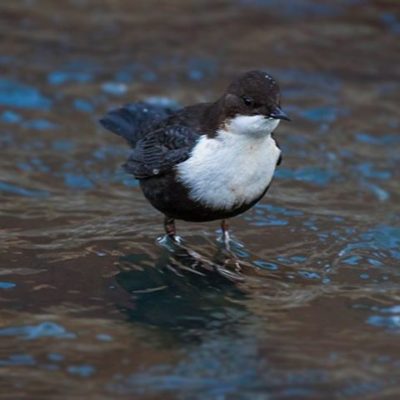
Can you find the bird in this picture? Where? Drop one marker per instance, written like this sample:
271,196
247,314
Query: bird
208,161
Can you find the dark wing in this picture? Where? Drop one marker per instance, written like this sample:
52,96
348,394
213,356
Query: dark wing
134,121
160,136
160,150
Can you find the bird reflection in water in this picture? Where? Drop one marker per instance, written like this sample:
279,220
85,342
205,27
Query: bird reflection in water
183,292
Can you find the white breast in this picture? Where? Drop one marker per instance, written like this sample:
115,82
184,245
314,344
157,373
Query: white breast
233,168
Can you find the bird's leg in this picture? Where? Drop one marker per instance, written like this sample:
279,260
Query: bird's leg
189,260
169,226
226,238
225,233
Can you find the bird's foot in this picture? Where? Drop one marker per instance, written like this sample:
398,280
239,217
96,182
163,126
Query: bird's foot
225,237
169,242
231,247
189,260
170,230
226,240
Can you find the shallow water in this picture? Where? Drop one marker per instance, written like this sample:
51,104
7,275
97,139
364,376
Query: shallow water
92,306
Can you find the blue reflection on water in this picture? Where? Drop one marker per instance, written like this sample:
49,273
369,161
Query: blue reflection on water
20,95
322,114
292,260
63,145
313,175
124,75
83,105
389,322
266,265
382,238
279,210
104,337
18,359
200,68
391,310
149,76
61,77
381,140
381,194
309,275
217,367
270,221
271,215
7,285
55,357
353,260
77,181
41,330
384,317
83,371
21,191
114,88
10,117
368,170
208,385
211,379
391,21
40,124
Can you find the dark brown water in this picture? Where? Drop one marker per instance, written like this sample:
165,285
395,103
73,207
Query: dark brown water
93,307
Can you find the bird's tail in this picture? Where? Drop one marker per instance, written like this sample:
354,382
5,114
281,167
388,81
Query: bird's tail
133,121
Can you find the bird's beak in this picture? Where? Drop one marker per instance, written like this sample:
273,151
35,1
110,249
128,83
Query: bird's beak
279,114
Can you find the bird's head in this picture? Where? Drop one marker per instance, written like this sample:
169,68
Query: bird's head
251,104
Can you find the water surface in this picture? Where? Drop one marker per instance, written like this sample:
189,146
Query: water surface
93,307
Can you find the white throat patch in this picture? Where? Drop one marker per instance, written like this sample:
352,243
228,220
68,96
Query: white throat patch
233,168
254,125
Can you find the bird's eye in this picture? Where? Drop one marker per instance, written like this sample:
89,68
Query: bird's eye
248,101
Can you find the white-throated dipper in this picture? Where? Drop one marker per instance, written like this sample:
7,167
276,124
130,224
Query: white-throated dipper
207,161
